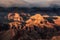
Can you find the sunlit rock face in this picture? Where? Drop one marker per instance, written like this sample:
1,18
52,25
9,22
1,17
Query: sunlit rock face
10,16
17,19
31,21
55,38
39,21
15,16
57,21
36,20
49,25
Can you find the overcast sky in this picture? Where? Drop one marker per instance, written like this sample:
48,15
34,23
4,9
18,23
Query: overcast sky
28,3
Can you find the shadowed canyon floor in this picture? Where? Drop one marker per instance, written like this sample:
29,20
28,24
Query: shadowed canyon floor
35,34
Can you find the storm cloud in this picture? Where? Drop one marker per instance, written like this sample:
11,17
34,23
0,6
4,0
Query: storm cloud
28,3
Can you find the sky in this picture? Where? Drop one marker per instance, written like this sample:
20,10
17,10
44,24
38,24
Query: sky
28,3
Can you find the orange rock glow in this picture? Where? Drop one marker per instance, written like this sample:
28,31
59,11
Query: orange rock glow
34,20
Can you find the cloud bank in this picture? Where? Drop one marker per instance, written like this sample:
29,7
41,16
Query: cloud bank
28,3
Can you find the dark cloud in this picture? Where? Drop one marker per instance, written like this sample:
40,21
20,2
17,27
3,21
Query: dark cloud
28,3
